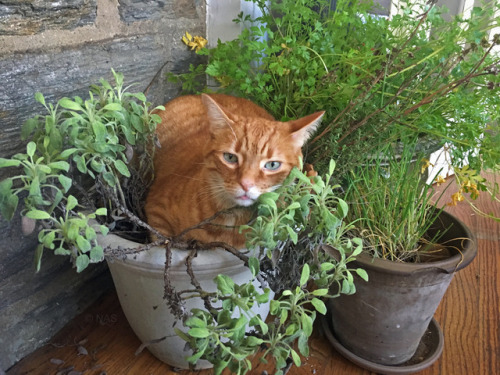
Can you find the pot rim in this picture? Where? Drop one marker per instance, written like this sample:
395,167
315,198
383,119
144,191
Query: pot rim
154,258
449,265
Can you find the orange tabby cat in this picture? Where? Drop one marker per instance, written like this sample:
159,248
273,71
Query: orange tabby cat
219,152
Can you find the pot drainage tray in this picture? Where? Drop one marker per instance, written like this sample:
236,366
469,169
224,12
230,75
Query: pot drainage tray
428,351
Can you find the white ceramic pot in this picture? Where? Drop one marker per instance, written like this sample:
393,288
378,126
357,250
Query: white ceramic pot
140,286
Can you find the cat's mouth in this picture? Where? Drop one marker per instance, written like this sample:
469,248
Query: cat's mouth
244,200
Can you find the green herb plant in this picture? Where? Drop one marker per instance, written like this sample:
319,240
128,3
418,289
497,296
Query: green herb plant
79,167
378,79
303,220
78,152
393,206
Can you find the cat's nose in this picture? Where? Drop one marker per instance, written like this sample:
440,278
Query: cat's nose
246,184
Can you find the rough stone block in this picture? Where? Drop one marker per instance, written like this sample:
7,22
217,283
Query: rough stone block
135,10
26,17
69,72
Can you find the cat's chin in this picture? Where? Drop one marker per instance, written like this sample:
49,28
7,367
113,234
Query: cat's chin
244,202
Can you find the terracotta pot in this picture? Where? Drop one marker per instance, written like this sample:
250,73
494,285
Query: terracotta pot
140,286
385,319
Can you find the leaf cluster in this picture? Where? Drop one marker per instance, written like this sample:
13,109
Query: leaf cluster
77,138
419,72
302,220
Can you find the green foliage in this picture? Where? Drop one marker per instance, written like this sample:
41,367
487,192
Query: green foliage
297,221
77,137
393,205
307,205
377,79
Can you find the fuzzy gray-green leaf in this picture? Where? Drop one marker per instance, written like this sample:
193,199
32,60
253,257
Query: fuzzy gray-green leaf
122,168
37,214
9,163
82,262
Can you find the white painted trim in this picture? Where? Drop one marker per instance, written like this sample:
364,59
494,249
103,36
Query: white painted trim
220,16
220,25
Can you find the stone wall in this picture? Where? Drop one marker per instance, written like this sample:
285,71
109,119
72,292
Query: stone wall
60,48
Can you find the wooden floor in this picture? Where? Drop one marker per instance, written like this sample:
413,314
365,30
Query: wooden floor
100,341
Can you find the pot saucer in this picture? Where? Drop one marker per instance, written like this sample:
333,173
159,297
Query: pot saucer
428,351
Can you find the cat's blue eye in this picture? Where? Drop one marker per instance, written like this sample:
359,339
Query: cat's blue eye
230,158
272,165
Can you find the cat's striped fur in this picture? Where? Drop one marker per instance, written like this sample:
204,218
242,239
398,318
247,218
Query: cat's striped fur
218,152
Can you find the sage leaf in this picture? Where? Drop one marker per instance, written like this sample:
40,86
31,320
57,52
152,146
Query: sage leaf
28,127
70,104
295,357
254,265
304,277
199,332
307,324
302,345
319,305
225,284
9,163
112,107
101,211
99,131
96,254
39,98
83,244
38,257
37,214
362,273
65,182
59,165
122,168
82,262
68,152
31,148
72,203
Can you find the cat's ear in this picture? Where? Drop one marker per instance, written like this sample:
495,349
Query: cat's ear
217,116
304,127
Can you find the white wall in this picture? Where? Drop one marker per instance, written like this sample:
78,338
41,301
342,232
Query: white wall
220,15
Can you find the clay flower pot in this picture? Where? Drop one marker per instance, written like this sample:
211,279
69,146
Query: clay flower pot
139,283
384,321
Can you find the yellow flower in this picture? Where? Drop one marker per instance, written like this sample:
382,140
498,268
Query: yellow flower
195,43
471,188
439,180
426,164
186,38
455,198
284,46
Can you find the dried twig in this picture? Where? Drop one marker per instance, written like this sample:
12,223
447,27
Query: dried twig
173,299
209,220
131,215
203,295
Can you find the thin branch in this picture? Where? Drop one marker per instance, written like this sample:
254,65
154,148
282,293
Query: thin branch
204,296
131,215
208,221
228,248
173,299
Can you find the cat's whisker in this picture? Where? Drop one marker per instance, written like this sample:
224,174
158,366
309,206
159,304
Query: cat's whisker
211,191
273,188
189,177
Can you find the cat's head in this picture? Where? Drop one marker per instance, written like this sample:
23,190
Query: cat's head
253,155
